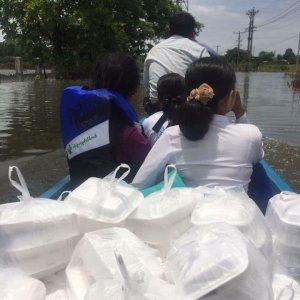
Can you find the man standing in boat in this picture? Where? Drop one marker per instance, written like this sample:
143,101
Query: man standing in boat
172,55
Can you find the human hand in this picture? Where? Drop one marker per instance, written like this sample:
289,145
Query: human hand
238,107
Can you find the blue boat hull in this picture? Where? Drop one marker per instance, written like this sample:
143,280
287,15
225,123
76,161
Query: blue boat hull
277,183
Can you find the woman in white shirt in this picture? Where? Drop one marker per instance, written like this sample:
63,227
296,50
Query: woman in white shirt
171,95
207,149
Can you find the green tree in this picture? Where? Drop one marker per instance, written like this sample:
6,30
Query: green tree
9,48
236,55
290,56
265,56
73,33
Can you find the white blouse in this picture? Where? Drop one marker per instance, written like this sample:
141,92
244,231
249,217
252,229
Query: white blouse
224,157
148,125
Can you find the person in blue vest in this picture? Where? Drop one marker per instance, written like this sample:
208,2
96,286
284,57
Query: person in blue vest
99,126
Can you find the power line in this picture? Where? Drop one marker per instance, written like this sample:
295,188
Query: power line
290,10
287,39
285,23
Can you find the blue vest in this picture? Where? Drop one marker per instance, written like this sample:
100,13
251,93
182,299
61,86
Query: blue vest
86,120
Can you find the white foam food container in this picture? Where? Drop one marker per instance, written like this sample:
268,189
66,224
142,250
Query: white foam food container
217,262
140,287
236,208
106,201
283,218
94,259
16,285
164,214
36,235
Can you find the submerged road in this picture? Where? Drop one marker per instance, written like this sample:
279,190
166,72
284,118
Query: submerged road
40,173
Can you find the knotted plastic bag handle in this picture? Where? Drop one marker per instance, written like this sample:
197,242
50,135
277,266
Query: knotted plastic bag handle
168,182
286,195
22,186
289,287
113,180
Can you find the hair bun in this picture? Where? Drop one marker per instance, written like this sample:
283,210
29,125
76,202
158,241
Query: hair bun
202,94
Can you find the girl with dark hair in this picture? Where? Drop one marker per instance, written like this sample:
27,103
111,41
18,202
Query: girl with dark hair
207,149
171,95
119,72
100,127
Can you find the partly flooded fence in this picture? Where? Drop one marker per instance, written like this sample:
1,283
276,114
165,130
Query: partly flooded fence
15,66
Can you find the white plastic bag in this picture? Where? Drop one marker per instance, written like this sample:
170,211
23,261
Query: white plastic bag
94,260
285,287
236,208
100,202
217,262
142,287
164,214
36,235
56,286
283,218
15,285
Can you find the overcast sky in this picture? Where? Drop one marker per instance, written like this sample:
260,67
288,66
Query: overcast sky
224,17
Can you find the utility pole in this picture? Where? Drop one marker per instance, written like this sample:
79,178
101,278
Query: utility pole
217,46
238,47
297,60
251,13
184,3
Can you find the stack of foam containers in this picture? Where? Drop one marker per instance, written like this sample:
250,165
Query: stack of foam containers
217,262
37,236
164,215
100,203
283,218
236,208
93,260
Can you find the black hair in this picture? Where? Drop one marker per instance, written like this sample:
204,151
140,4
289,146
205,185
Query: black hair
118,72
182,24
171,95
194,117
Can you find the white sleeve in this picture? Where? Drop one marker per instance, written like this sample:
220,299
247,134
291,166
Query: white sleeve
243,119
153,167
258,151
156,70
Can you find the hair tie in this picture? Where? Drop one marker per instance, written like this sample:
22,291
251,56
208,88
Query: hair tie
202,94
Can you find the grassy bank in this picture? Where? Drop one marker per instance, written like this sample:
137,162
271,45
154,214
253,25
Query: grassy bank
295,79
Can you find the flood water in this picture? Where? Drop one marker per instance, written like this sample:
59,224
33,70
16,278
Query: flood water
29,118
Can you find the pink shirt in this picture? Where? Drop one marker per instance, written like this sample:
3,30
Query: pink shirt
132,147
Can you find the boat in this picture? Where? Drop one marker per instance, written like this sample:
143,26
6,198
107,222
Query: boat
277,185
